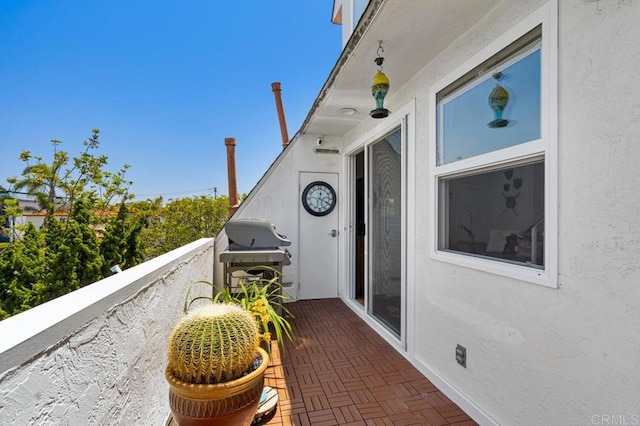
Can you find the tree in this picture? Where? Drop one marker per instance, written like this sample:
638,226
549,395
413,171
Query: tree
8,210
39,265
61,263
133,253
87,248
21,271
58,184
41,180
113,244
150,238
188,219
183,221
4,219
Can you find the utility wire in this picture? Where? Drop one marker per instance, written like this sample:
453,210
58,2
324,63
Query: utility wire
177,193
213,190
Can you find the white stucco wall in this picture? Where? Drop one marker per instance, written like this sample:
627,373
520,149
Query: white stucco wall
97,356
276,199
537,355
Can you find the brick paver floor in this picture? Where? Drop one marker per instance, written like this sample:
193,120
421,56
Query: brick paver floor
341,372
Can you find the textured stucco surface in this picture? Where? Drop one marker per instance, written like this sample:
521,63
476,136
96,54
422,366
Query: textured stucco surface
538,355
110,370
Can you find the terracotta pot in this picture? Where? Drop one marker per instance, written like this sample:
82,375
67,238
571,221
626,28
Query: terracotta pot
230,403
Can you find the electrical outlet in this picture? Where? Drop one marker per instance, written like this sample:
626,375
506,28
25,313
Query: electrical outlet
461,356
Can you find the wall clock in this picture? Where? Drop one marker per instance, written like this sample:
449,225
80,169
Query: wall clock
319,198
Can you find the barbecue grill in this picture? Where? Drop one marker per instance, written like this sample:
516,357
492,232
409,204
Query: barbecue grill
254,251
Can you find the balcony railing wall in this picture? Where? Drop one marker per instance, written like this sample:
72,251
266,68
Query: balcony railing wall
97,355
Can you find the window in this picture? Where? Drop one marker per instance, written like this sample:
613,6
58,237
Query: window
492,160
465,118
497,214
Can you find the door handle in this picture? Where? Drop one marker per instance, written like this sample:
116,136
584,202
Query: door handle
333,233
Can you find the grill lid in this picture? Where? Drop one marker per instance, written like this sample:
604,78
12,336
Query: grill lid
254,234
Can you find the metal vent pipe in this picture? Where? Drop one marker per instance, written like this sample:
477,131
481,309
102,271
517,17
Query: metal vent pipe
230,143
283,123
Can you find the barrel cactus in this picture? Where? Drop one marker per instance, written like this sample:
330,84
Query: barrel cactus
213,344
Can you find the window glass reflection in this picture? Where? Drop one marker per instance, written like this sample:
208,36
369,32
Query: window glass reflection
463,116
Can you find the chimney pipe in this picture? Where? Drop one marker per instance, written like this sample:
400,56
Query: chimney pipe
230,143
283,123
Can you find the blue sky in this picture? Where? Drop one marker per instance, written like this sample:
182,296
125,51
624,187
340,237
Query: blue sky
164,81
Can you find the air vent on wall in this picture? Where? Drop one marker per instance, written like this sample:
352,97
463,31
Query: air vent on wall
326,151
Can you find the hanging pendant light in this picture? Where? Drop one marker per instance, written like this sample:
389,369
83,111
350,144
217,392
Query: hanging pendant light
498,99
379,87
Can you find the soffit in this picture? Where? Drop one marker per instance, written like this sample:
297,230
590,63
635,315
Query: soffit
413,32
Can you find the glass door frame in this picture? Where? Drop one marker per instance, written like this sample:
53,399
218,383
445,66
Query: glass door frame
351,255
406,125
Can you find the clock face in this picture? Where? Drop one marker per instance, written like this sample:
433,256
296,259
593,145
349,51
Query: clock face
319,198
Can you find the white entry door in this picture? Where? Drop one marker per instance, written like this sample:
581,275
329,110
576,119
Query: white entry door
318,236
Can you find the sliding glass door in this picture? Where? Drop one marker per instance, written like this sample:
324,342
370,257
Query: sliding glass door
385,231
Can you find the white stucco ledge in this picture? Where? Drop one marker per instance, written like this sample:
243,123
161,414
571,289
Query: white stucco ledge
29,333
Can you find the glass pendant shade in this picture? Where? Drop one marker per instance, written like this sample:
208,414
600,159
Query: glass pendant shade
379,89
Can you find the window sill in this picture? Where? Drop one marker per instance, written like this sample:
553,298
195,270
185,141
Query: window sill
519,272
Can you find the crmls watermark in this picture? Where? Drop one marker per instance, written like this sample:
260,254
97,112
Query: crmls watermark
615,419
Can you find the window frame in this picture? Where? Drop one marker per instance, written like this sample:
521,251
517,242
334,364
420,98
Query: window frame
544,148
